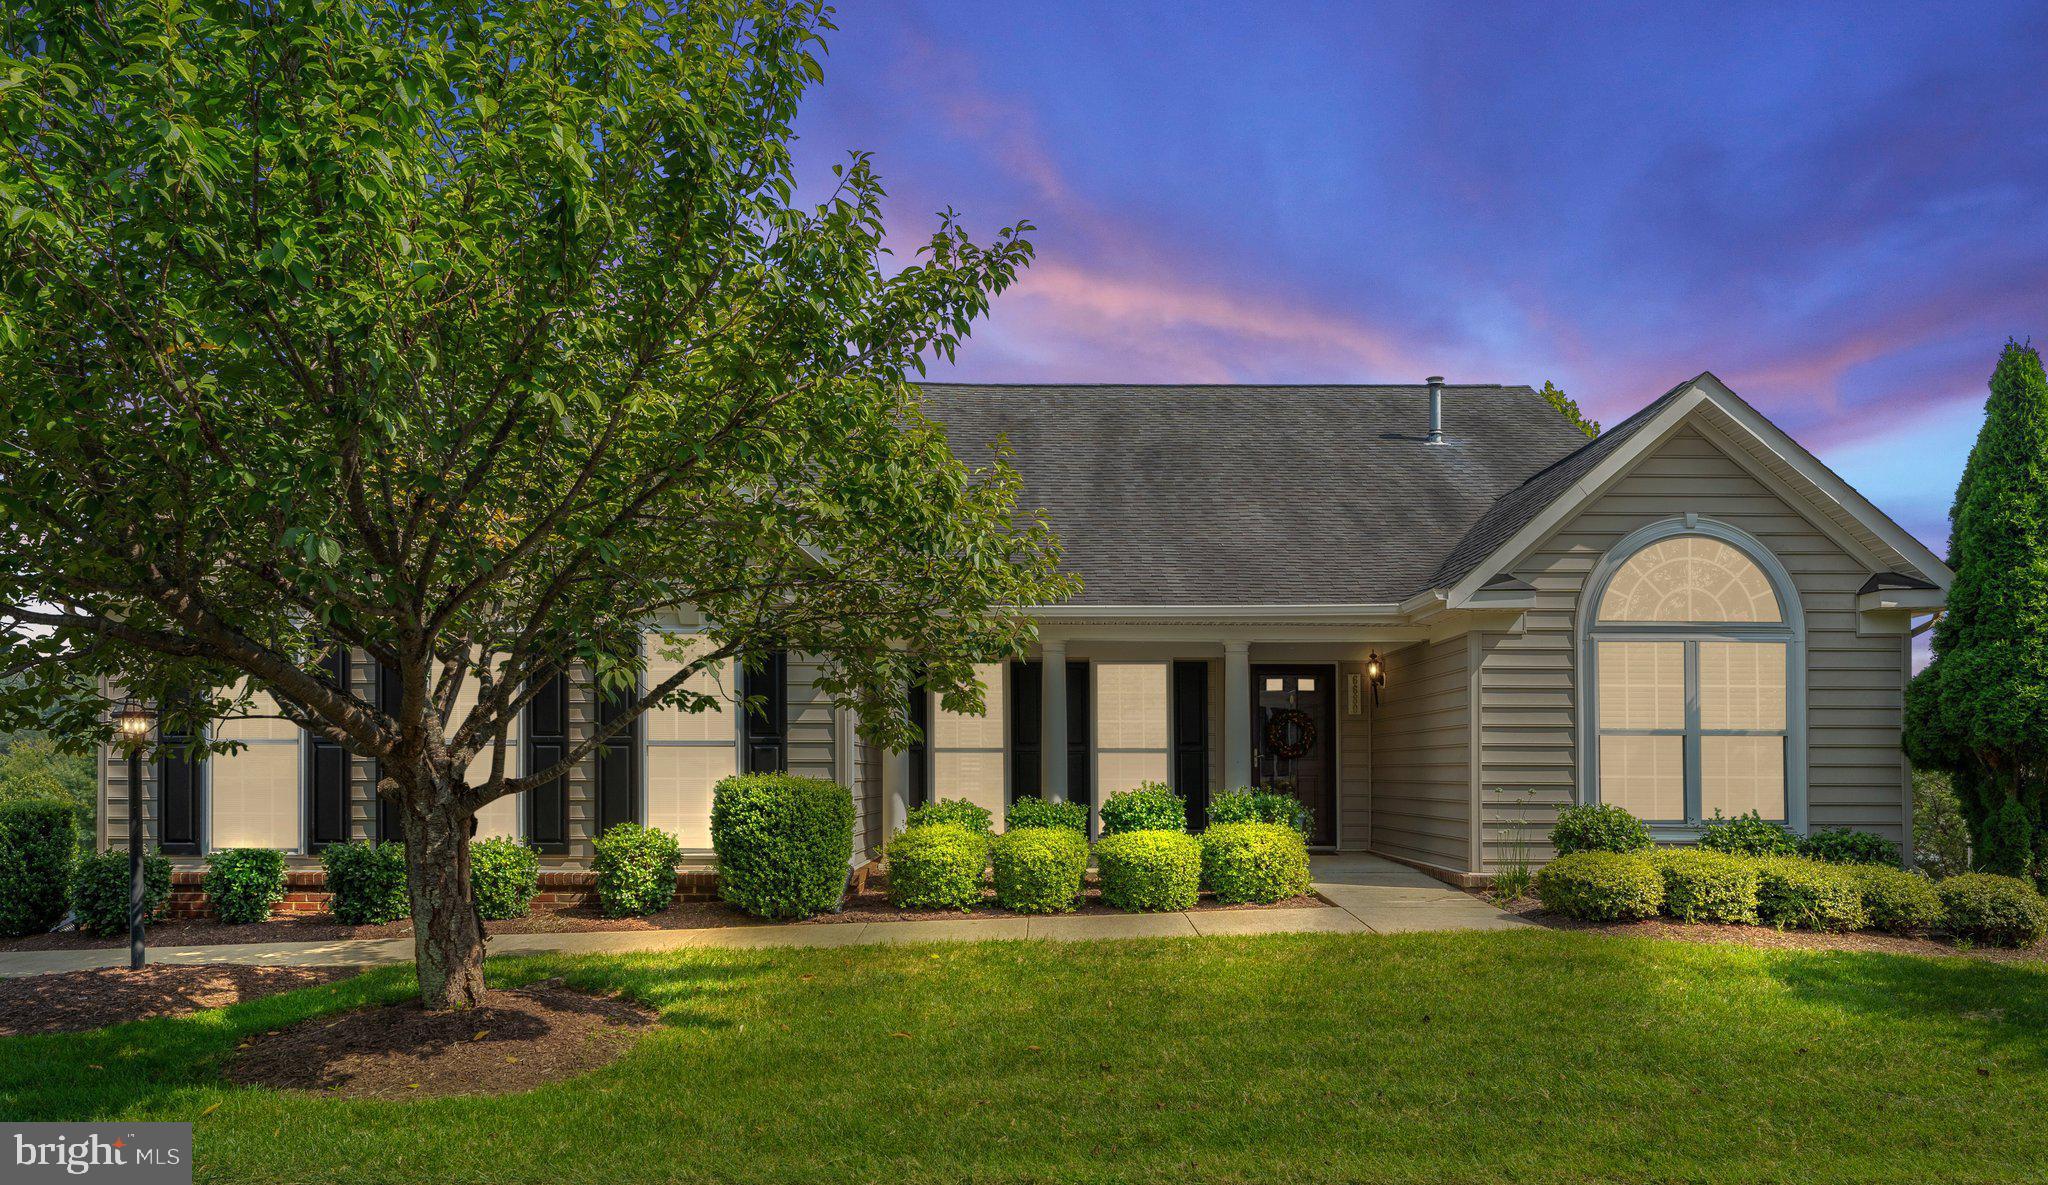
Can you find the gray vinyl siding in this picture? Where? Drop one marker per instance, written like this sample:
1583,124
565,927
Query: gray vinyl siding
362,771
1354,763
811,744
867,794
1856,776
1421,756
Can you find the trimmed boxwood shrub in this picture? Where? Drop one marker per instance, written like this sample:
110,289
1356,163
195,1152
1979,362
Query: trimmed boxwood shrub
1150,870
636,870
99,891
38,839
1037,812
504,874
1245,805
1601,887
1598,827
242,884
936,866
1702,886
1039,869
1842,846
1747,835
1793,893
366,883
1153,806
784,843
957,811
1254,862
1896,900
1993,910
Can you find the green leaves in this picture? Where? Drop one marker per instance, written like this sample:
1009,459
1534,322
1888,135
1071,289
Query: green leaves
447,331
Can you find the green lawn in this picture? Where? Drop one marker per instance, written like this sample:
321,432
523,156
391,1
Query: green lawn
1521,1056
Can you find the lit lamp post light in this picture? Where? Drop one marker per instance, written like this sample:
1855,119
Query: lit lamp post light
132,724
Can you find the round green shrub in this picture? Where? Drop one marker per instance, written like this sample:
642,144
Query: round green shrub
38,840
99,891
1037,812
1896,900
1601,887
1153,806
504,874
1598,827
1254,862
1245,805
1993,910
957,811
1793,893
1747,835
1701,886
1150,870
936,866
243,884
636,870
366,883
1039,869
1842,846
784,843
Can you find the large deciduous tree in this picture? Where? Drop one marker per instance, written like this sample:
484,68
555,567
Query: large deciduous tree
1980,710
470,335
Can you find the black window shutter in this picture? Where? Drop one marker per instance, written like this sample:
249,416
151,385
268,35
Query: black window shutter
1027,732
1080,725
389,828
618,765
1191,739
918,791
180,781
327,775
764,685
547,740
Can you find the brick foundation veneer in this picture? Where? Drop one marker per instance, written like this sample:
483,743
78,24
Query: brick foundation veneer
305,892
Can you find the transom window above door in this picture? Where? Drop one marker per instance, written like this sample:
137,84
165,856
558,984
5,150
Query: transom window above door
1693,660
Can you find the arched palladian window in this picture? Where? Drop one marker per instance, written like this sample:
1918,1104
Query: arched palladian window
1694,651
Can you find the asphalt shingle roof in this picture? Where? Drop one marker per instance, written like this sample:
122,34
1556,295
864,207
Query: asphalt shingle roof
1513,510
1237,495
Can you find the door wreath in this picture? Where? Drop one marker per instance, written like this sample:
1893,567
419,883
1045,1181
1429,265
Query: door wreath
1290,734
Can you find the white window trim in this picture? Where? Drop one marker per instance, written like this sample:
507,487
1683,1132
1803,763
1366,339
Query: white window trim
1792,632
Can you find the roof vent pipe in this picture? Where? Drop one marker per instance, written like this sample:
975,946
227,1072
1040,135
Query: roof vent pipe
1436,409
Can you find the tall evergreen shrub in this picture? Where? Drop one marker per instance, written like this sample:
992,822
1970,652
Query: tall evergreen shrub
1980,709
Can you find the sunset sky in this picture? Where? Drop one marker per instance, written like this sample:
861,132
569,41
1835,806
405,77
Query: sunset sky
1843,212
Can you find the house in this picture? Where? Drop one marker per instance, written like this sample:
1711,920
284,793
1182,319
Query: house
1433,612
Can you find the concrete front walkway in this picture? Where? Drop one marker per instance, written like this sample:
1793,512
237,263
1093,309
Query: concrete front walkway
1369,893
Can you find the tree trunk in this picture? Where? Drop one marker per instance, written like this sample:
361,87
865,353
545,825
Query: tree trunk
448,934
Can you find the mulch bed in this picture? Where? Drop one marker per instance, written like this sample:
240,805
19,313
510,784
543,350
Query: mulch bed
74,1001
1770,938
516,1040
868,903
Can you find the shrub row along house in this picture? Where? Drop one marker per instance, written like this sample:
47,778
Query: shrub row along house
1434,614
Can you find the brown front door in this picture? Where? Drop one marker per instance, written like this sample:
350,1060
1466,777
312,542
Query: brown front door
1294,740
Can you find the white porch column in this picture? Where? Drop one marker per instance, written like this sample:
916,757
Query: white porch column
1237,715
895,792
1052,720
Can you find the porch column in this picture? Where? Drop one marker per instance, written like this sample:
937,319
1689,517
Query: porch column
1237,715
895,792
1052,720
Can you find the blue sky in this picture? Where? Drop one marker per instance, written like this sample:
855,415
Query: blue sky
1842,211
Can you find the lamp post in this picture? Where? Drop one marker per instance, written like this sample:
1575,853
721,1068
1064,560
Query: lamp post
132,723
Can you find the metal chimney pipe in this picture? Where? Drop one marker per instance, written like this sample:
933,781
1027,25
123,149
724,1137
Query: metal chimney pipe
1436,409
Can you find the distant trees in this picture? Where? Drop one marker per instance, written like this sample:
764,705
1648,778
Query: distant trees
1568,408
1979,712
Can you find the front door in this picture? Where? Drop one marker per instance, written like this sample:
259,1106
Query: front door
1294,740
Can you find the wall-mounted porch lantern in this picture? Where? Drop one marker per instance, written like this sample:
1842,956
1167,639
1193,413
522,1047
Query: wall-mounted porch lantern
1375,674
